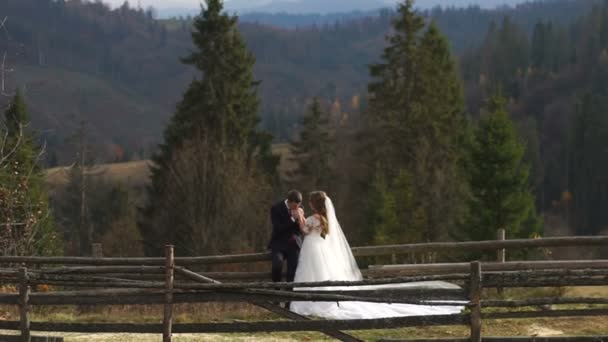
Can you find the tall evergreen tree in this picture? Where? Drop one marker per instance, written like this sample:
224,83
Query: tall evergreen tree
223,102
25,218
392,90
589,165
416,112
501,195
313,151
212,133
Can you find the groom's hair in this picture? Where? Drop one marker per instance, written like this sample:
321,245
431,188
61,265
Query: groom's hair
294,196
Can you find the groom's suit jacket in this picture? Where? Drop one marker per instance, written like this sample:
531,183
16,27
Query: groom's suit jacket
285,231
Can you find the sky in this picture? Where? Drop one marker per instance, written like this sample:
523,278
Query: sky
158,3
165,4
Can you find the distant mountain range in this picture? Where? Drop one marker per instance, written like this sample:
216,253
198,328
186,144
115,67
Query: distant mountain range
324,7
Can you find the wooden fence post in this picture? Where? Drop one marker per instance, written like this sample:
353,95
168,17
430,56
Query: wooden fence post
97,250
168,313
24,307
501,252
475,299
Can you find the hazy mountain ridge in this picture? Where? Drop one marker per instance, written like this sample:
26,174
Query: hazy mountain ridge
327,7
120,70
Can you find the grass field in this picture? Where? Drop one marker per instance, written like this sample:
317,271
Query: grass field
528,327
241,312
137,173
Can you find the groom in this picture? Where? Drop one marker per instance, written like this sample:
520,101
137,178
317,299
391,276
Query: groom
286,240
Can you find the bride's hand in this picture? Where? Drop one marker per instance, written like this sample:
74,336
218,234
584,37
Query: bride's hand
300,219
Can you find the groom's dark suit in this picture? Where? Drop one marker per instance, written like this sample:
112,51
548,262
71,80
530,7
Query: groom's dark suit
285,242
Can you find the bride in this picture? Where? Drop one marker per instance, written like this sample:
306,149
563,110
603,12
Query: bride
326,256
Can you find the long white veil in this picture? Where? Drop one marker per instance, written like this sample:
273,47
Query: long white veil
342,261
332,259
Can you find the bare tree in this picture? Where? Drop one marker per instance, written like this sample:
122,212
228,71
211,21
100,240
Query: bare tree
75,207
213,203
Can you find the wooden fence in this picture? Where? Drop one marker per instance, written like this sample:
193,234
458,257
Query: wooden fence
171,280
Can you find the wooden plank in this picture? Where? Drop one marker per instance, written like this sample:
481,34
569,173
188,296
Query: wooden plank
96,250
168,312
527,274
408,296
501,256
133,296
357,251
541,301
9,298
200,297
549,282
296,317
426,340
547,339
288,285
598,338
12,275
481,245
549,313
89,278
501,252
102,281
17,338
246,327
475,301
24,307
490,266
250,327
104,269
195,276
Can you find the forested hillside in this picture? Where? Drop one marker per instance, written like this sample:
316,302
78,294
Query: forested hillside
555,79
119,69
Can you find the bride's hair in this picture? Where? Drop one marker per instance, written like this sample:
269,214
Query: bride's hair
317,199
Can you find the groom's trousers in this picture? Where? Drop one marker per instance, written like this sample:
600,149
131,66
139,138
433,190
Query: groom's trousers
279,257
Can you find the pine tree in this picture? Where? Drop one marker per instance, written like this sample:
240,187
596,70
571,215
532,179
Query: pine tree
313,151
415,121
588,164
223,102
392,207
501,194
212,133
392,93
26,220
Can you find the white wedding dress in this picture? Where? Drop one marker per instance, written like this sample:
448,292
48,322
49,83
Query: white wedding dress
330,259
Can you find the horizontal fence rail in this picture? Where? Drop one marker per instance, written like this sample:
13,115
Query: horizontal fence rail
510,339
357,251
489,266
246,327
168,281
